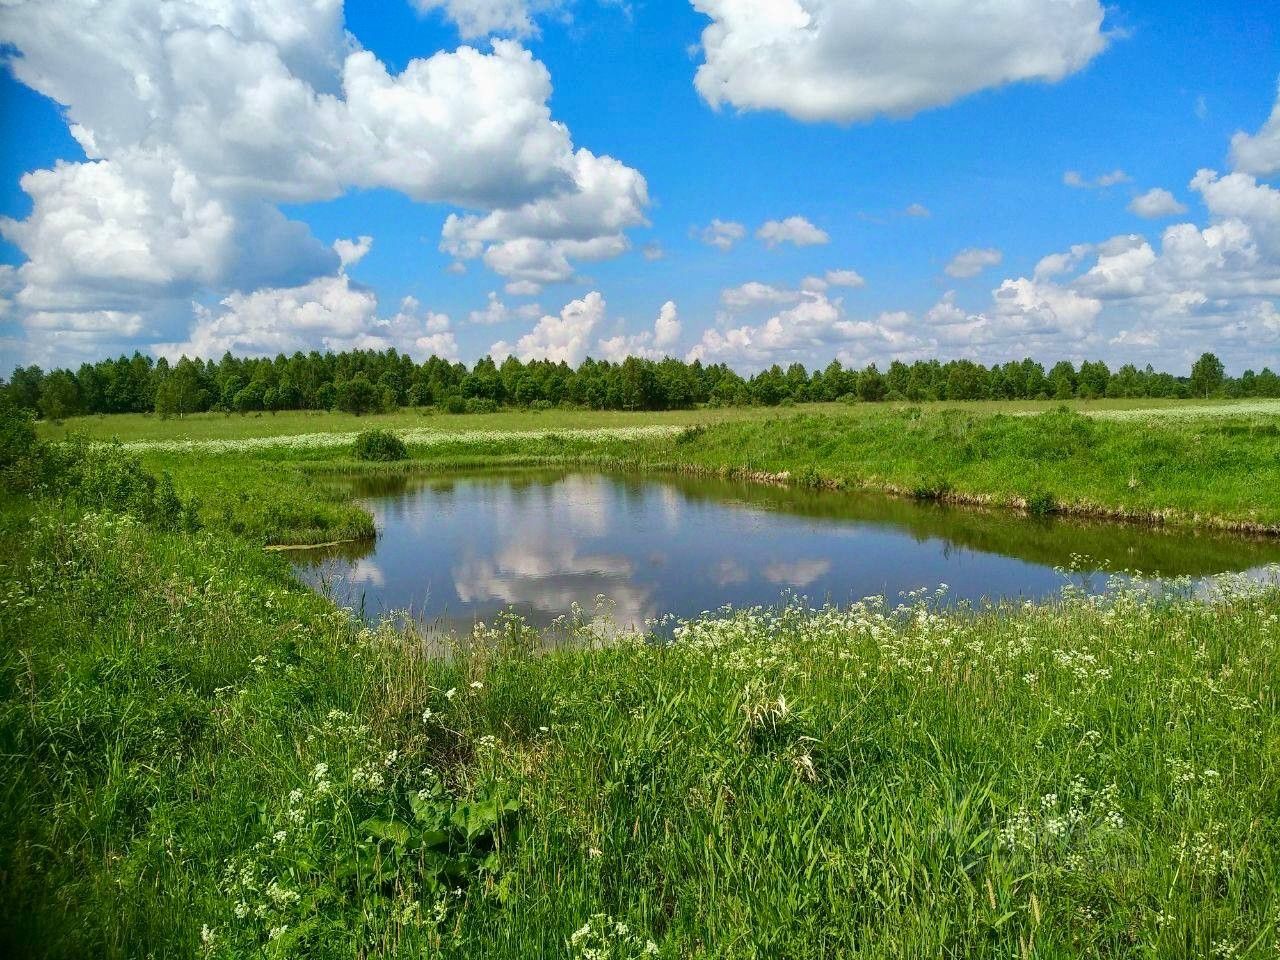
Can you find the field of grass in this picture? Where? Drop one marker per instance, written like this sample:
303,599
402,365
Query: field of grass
200,757
223,426
1192,466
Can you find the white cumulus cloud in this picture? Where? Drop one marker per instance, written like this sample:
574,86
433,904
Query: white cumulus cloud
1259,153
479,18
351,252
849,60
653,345
722,234
199,118
1156,203
972,261
562,337
796,230
495,311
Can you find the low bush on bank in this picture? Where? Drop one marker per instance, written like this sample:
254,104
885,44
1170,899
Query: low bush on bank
380,446
88,477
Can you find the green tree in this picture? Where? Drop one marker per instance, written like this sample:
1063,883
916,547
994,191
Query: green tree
183,391
1206,375
871,385
1062,380
60,396
356,395
252,397
1093,379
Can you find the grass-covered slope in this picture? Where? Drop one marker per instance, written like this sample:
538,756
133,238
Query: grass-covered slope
200,756
1181,470
1221,471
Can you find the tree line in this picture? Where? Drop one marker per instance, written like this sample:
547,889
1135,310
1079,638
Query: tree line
367,381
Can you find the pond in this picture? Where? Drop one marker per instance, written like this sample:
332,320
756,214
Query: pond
454,549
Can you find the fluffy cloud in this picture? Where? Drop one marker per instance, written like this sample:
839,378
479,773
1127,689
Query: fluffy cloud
564,337
1031,308
479,18
495,312
328,312
1199,285
795,230
569,335
722,234
972,261
535,241
845,278
1073,178
1259,154
1156,203
351,252
653,345
918,210
197,119
814,326
846,61
754,293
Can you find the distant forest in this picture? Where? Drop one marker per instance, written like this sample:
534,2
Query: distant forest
367,381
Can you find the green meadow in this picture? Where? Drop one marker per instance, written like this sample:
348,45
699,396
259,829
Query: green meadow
1179,464
201,757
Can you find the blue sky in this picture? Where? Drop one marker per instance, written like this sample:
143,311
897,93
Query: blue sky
220,155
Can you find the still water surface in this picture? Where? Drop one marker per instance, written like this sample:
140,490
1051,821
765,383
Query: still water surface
459,548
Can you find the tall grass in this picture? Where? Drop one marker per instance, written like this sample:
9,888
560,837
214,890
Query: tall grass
198,757
201,757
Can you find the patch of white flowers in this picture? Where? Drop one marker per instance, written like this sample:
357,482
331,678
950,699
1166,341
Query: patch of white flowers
1055,822
1190,411
418,437
604,938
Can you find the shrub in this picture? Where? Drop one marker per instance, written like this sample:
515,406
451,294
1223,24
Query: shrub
931,488
97,478
809,478
20,452
481,405
88,477
1041,503
455,404
380,445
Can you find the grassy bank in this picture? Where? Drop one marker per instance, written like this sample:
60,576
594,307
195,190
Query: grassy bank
1190,471
131,428
201,757
198,757
1187,470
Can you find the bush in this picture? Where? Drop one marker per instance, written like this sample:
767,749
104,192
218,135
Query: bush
1042,503
380,445
98,478
455,404
481,405
931,488
20,453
